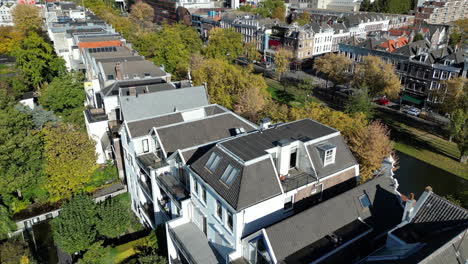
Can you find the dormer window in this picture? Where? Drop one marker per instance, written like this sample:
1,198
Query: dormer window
329,152
365,202
229,174
213,162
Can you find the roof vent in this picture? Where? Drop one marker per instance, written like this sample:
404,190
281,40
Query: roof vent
265,123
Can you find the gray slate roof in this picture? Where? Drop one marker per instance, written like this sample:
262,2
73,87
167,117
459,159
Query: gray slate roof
143,127
202,131
114,88
254,145
254,183
343,157
133,69
162,102
297,232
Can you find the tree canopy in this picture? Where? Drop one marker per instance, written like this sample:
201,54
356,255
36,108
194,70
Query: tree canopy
9,39
378,76
142,15
36,60
70,160
360,102
282,60
73,229
334,67
223,43
26,18
303,19
15,251
114,217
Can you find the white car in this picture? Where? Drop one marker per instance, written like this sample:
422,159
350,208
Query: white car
412,111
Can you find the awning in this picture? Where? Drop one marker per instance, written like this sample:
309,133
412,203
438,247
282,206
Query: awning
411,99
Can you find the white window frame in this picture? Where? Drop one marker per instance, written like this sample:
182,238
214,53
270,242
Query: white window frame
145,145
289,199
329,156
229,228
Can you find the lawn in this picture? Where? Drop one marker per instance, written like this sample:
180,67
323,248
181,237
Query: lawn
5,69
124,251
427,147
292,95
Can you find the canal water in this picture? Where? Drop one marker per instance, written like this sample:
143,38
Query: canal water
414,175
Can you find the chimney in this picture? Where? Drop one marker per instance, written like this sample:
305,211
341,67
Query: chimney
284,156
118,71
265,123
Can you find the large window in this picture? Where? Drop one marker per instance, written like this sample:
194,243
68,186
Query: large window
229,174
329,156
229,220
213,162
145,145
203,194
195,187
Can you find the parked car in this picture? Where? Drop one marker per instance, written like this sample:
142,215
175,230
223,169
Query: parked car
382,101
412,111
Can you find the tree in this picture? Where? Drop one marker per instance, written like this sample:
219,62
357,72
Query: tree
26,18
459,32
334,67
9,38
226,83
152,258
278,13
452,95
361,102
378,76
282,59
73,229
142,15
251,52
40,117
6,225
15,252
114,217
304,18
63,94
458,130
370,145
174,47
96,254
275,111
36,60
418,37
223,43
252,100
20,156
70,160
306,84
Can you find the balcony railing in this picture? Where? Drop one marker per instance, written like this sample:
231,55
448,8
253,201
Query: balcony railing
296,179
175,189
146,187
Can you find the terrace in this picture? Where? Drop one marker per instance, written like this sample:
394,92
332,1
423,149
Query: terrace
296,179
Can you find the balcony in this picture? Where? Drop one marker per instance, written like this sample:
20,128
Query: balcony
148,213
192,243
296,179
95,115
173,187
147,188
150,161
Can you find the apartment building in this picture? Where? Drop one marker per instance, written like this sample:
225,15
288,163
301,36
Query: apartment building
441,12
5,12
336,5
244,183
420,67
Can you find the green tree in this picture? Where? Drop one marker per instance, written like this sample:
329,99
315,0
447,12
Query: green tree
9,38
251,52
114,217
334,67
361,102
26,18
73,229
306,84
36,60
418,37
378,76
282,60
223,44
96,254
6,225
20,156
303,19
15,252
267,8
278,13
458,130
459,32
173,49
70,160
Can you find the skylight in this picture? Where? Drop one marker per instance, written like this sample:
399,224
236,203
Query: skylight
365,202
229,174
213,162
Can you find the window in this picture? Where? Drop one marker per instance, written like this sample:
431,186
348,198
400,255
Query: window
329,156
110,77
229,174
444,75
145,145
288,203
229,221
213,162
436,74
195,187
203,194
365,202
219,210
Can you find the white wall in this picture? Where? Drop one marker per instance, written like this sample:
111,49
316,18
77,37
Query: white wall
96,131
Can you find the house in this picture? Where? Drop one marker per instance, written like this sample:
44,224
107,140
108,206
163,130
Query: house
254,179
5,13
440,12
432,230
324,231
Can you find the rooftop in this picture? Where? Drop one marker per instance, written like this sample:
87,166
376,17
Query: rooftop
134,69
255,144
